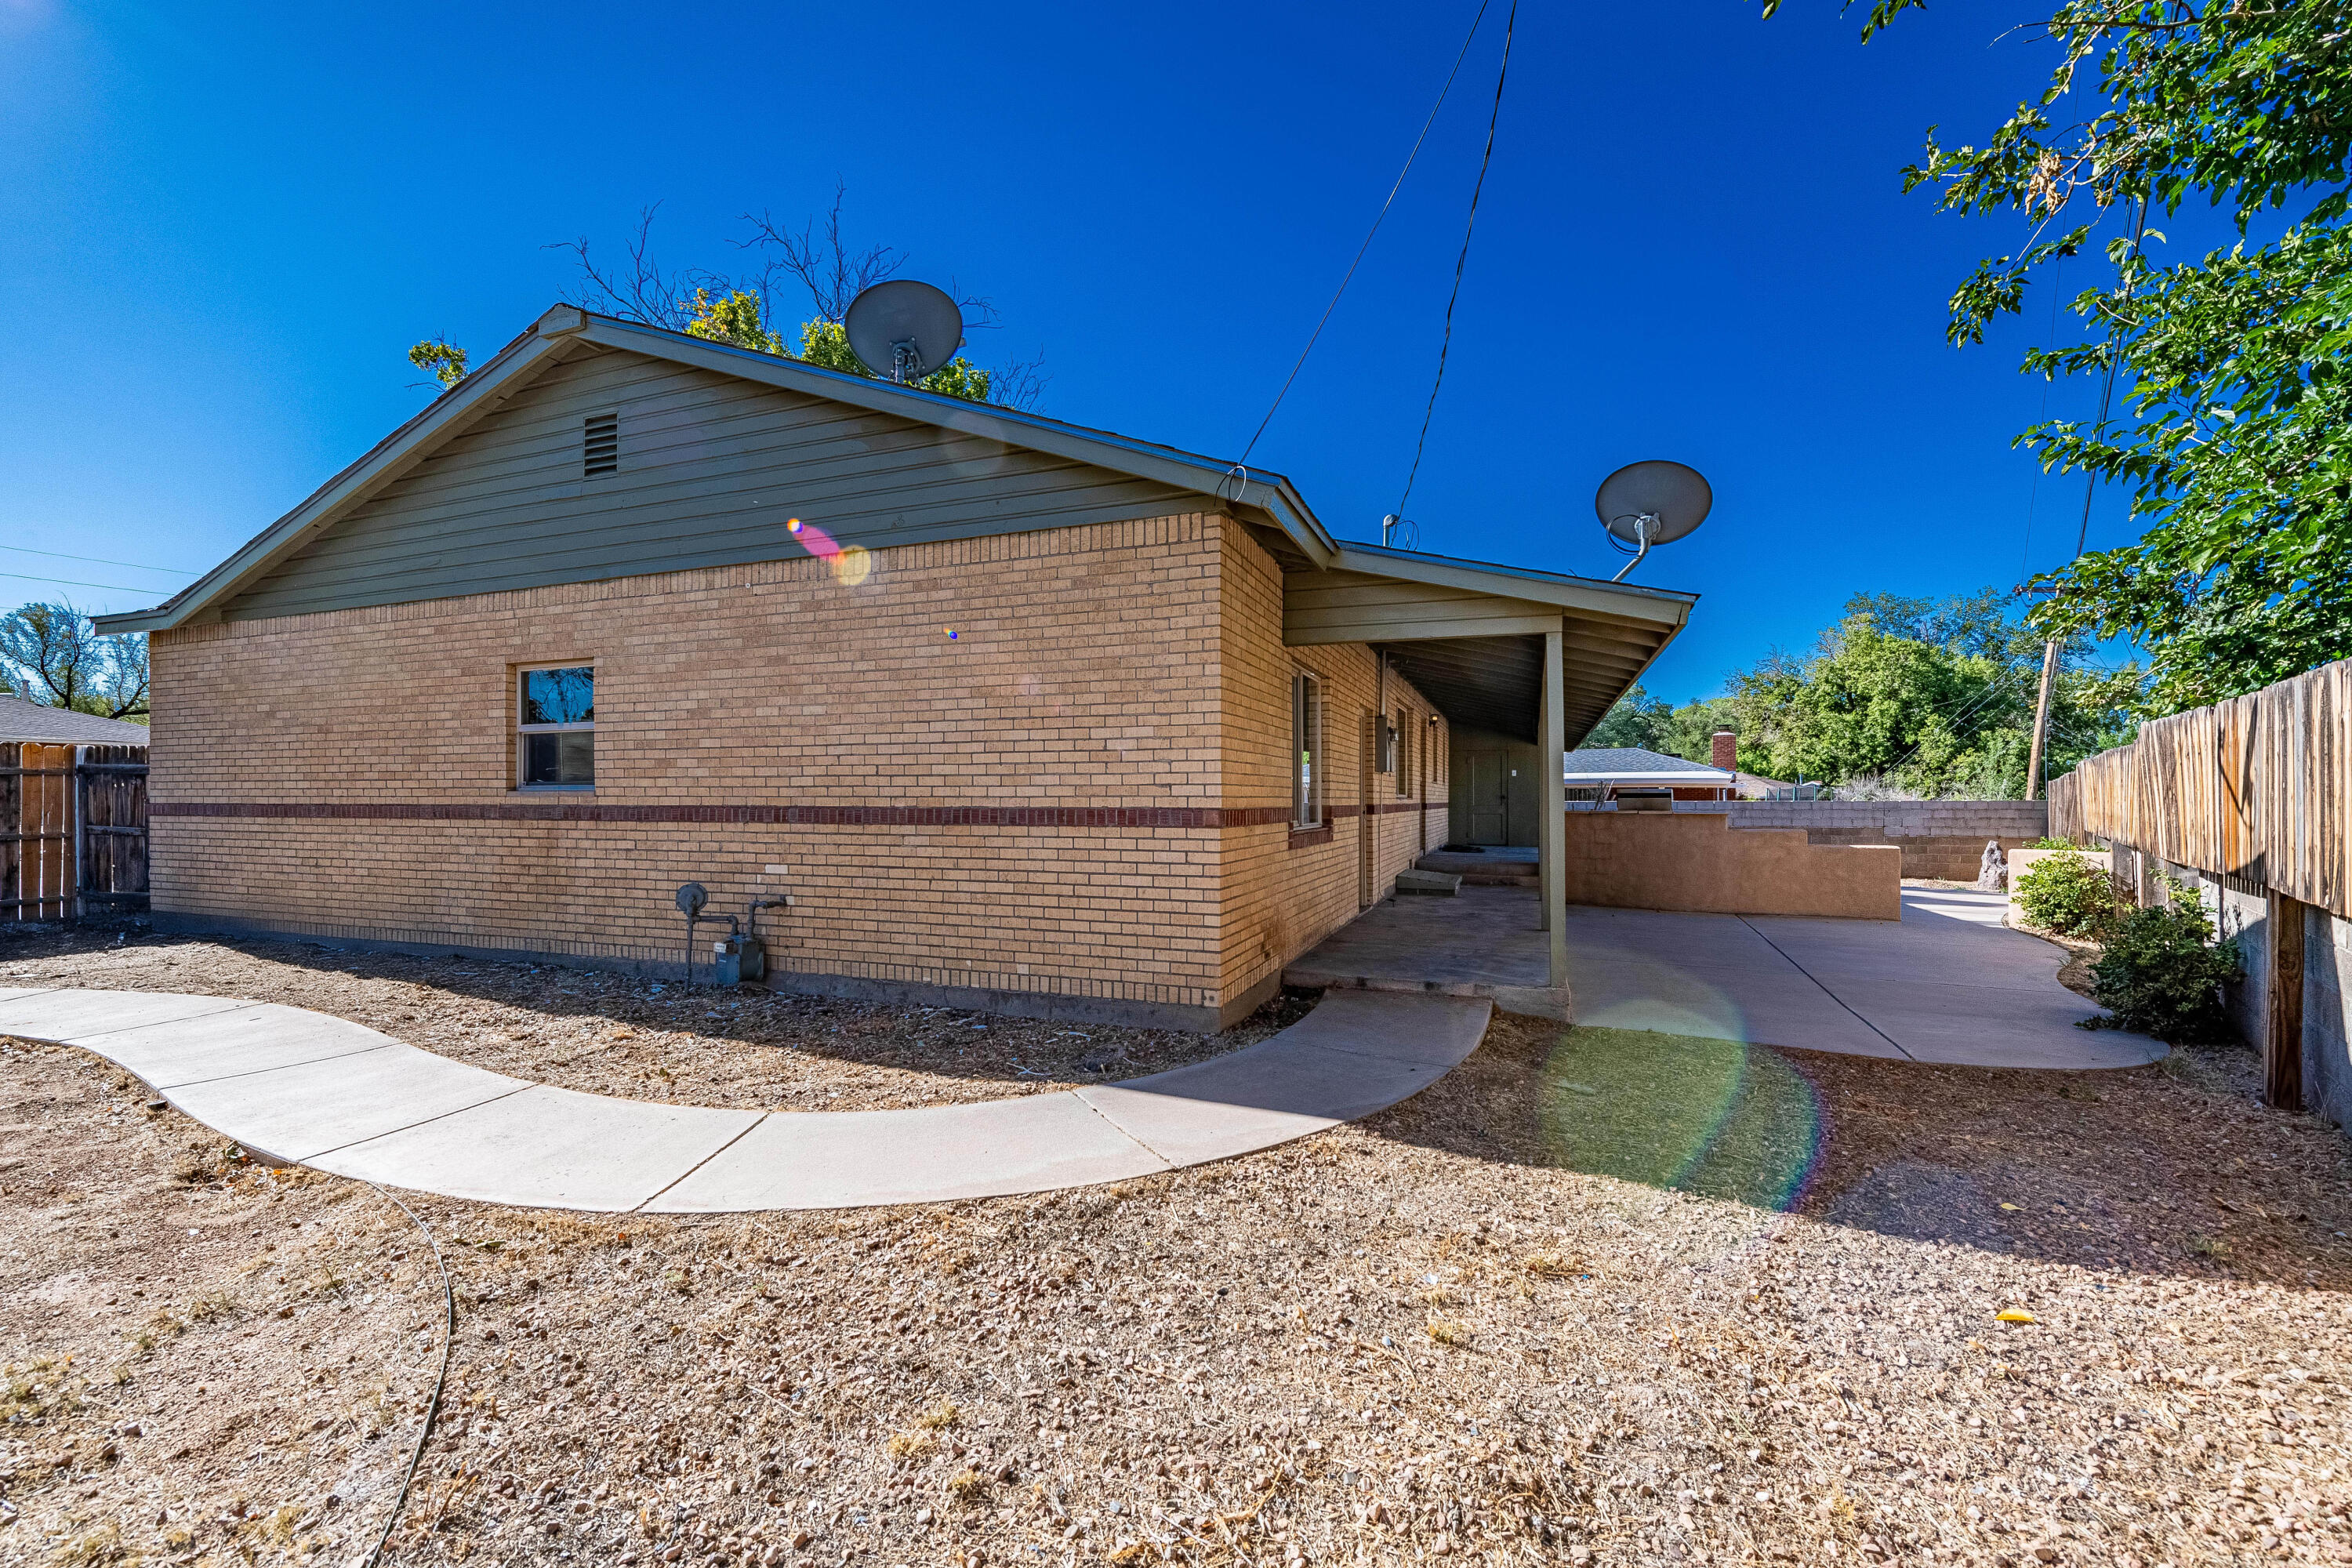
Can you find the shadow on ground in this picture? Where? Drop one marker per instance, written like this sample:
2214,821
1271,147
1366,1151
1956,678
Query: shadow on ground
2176,1168
715,1038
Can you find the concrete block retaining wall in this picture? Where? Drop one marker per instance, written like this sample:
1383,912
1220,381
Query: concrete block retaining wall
1942,838
2241,912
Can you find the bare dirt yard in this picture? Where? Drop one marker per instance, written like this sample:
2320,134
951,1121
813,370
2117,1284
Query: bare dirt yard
1595,1296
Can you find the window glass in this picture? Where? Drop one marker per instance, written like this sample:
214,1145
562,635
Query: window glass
1305,797
559,757
559,696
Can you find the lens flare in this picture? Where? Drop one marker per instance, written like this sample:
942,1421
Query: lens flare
852,563
1718,1118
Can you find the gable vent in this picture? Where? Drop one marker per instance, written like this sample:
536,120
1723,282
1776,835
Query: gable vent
601,452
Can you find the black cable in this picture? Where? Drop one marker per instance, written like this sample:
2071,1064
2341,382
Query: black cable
1445,342
1314,336
432,1406
77,583
98,561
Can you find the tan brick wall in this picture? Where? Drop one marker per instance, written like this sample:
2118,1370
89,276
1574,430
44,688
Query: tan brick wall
1281,896
1090,669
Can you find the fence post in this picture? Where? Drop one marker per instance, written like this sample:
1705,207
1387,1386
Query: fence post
78,825
2282,1017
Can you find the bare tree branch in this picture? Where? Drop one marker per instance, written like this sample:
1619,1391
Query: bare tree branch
833,276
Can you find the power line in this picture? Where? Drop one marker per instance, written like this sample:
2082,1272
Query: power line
77,583
1315,336
98,561
1445,342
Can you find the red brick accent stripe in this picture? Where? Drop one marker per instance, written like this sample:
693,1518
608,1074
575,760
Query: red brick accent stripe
1177,816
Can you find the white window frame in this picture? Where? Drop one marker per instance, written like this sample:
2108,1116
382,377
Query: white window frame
522,731
1308,761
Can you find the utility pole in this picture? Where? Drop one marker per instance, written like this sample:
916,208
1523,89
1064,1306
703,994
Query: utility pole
2082,533
2042,719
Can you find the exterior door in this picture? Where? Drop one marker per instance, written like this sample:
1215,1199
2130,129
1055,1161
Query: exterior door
1490,797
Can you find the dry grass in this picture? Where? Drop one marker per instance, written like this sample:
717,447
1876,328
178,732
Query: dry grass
1739,1308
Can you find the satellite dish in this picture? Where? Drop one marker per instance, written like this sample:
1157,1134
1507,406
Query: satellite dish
1651,502
902,330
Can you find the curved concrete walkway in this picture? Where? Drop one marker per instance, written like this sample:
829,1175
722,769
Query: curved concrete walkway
301,1088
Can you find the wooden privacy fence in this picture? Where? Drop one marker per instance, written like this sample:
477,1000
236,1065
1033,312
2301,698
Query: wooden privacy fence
2258,787
73,830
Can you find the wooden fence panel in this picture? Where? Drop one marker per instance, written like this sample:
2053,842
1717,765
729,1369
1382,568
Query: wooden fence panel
73,830
114,784
2258,787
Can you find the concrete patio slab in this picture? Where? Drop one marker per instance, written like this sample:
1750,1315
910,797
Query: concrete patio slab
257,1038
295,1114
1948,982
821,1160
71,1018
550,1148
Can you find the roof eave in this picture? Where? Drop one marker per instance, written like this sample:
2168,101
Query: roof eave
443,418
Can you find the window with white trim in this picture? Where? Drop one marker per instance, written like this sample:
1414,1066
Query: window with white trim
1306,752
1404,753
555,726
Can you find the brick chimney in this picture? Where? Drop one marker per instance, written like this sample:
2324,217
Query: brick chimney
1725,751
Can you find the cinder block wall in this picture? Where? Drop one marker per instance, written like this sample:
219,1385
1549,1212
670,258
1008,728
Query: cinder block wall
1942,838
2241,912
1284,891
1040,814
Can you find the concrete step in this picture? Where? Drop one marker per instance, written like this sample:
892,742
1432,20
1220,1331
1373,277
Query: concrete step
1440,884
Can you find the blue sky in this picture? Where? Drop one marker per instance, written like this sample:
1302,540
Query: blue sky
218,236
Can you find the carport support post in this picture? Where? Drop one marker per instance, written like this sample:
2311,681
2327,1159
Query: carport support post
1551,833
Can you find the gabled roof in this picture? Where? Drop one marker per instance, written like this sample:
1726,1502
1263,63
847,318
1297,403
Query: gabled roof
1613,629
24,720
1605,764
1254,494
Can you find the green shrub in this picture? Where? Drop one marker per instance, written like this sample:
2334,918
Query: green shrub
2162,972
2068,893
2050,844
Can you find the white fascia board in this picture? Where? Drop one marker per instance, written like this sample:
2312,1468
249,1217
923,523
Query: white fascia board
1656,606
447,416
1233,484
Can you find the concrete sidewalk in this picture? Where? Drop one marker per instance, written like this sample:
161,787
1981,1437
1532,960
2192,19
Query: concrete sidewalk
301,1088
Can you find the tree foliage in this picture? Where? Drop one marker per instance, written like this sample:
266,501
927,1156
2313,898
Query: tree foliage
444,361
1906,695
737,309
53,656
2234,432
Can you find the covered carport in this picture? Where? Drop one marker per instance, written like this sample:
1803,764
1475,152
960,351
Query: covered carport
1538,657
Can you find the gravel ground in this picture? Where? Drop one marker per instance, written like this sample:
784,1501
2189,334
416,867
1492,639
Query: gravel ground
1595,1296
608,1033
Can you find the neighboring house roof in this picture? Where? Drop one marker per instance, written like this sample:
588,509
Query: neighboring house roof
1632,764
24,720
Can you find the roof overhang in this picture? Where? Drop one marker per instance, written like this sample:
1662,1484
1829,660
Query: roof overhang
1469,635
1265,500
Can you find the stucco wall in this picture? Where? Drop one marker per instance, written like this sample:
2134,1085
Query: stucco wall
1698,861
1043,809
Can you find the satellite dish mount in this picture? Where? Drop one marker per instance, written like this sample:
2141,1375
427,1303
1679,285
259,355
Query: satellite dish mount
1651,502
903,331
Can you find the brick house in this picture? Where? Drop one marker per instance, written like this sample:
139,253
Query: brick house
1022,715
